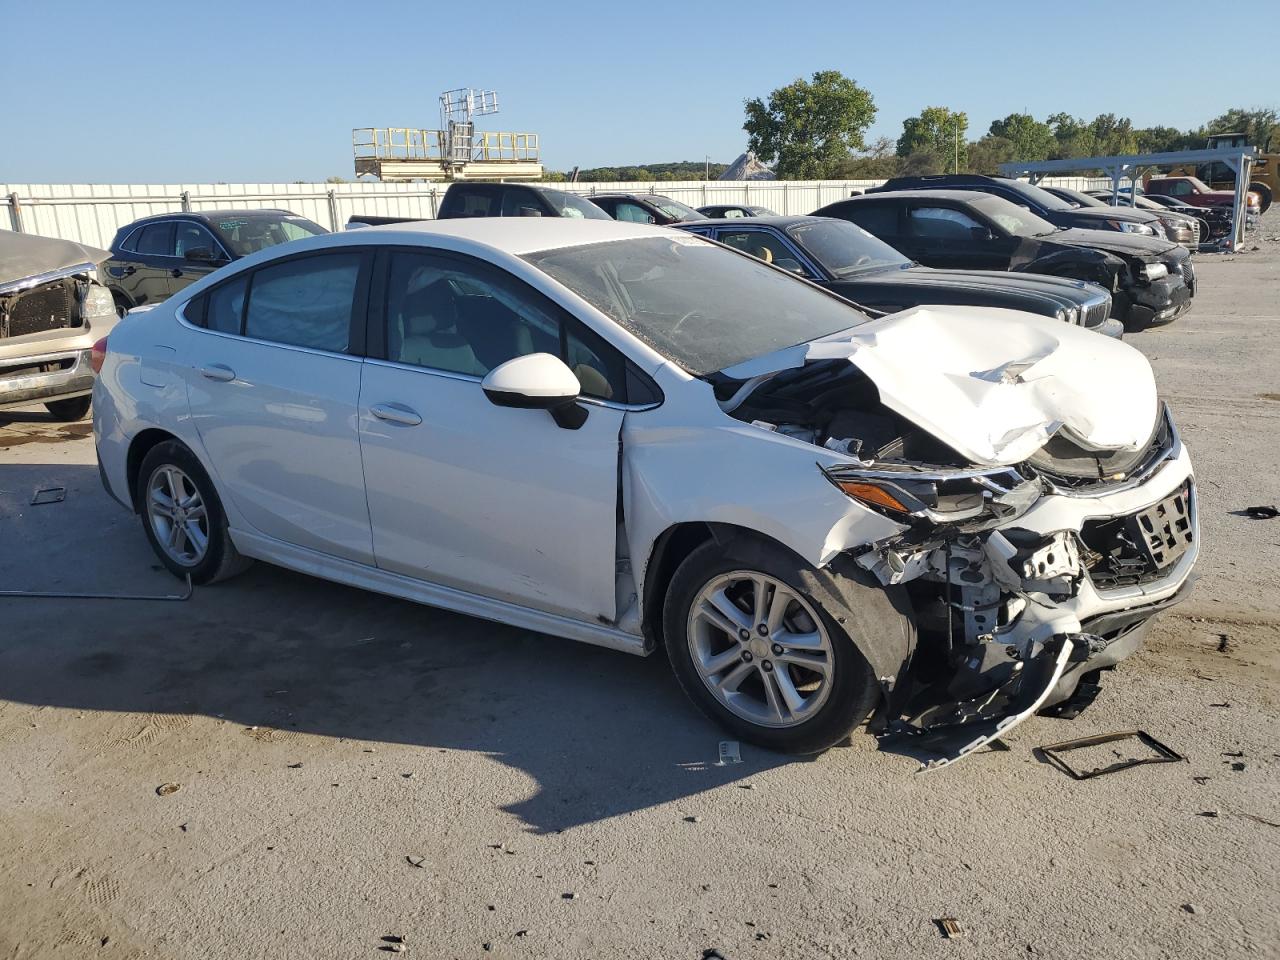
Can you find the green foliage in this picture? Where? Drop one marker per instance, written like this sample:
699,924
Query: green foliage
680,170
809,127
934,133
987,153
1261,125
1024,137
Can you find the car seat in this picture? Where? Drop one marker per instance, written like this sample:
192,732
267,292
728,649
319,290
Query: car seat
428,327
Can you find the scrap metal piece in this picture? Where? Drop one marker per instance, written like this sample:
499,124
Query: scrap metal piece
59,595
1164,754
730,752
1263,512
48,495
991,729
950,927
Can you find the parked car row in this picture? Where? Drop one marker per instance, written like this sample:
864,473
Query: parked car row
944,519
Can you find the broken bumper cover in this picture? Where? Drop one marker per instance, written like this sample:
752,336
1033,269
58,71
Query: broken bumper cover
1160,301
51,376
1043,602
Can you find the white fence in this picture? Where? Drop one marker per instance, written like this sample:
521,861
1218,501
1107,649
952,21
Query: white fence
92,213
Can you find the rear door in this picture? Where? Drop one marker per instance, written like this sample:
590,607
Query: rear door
273,380
945,236
494,501
153,264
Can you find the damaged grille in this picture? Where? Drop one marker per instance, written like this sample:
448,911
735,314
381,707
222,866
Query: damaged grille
1141,547
49,307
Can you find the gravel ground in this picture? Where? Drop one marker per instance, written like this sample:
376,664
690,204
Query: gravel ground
352,767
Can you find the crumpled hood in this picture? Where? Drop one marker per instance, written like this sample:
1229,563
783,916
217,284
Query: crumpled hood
23,255
992,384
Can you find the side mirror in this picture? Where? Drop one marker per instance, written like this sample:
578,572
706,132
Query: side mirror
981,234
537,381
201,255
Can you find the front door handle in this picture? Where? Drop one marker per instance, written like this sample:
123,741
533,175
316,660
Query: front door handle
218,371
395,413
129,271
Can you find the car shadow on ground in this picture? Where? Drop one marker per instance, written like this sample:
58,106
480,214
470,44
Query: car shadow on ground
601,733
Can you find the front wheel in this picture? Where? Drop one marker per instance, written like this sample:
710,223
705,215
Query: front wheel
758,653
183,516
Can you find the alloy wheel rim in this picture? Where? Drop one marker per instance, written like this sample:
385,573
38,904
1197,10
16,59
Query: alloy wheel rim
760,649
178,516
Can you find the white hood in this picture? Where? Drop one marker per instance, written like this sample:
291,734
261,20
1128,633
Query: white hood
993,384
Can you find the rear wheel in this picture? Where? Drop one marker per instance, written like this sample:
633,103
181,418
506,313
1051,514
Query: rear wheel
183,516
69,410
758,653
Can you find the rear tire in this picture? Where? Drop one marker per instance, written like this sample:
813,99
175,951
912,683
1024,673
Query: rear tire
183,517
789,679
69,410
1264,195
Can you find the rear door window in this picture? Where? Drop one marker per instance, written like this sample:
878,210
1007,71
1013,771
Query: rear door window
156,240
305,302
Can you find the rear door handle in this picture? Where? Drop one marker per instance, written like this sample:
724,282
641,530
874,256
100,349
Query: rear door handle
175,272
129,271
218,371
395,413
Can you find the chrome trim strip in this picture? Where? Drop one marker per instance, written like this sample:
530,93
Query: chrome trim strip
17,286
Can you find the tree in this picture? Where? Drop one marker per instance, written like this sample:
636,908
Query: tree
809,127
986,154
936,133
1167,139
1027,138
1260,125
876,162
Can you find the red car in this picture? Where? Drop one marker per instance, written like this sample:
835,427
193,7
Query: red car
1196,192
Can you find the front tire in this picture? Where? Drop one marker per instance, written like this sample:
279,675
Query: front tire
756,651
69,410
183,517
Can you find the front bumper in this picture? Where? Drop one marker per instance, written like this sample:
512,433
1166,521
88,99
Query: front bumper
43,377
1160,301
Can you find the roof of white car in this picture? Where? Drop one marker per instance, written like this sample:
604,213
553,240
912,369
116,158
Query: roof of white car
518,235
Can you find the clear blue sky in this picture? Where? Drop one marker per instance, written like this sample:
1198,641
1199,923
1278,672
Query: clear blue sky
268,91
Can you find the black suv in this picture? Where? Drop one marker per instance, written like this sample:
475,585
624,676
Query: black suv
155,257
1040,202
513,200
1151,280
645,208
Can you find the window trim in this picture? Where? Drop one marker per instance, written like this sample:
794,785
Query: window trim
375,339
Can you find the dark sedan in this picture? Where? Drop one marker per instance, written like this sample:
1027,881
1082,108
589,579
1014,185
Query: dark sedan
734,211
1152,281
1040,202
644,208
1179,228
852,263
154,258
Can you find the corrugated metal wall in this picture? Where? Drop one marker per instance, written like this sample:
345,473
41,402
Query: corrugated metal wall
92,213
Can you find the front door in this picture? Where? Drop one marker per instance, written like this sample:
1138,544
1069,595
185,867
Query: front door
198,254
496,501
948,237
273,381
147,273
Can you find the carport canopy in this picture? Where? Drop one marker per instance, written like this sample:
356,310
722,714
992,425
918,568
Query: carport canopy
1131,165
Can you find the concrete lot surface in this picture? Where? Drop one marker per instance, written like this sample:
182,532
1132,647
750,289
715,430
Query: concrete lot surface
352,767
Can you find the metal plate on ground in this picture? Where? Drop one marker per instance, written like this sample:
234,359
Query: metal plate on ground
1159,753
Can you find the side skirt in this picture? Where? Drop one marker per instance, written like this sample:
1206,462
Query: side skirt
419,591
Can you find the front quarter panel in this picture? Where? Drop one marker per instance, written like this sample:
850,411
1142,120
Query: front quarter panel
688,461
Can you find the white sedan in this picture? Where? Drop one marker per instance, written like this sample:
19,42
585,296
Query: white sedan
624,435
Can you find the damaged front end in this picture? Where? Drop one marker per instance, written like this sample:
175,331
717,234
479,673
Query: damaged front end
1001,609
1026,578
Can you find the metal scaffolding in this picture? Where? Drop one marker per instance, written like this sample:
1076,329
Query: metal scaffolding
1239,159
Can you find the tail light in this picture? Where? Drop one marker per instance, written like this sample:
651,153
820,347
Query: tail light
98,355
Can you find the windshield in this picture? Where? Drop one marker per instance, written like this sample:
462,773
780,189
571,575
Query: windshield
697,303
1037,195
675,209
843,249
1013,219
571,205
248,233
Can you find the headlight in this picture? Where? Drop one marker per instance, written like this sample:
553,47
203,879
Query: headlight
1069,314
1154,271
97,303
978,498
1126,227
